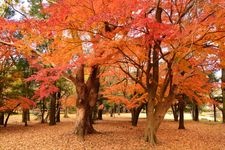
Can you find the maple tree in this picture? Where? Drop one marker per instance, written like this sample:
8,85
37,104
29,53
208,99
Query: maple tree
174,45
165,48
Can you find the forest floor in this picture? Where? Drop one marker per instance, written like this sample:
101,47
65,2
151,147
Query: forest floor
115,133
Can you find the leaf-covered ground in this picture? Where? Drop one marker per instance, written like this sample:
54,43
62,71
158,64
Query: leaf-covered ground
115,134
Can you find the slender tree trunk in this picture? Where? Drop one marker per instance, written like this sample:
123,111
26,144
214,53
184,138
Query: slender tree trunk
175,111
66,113
214,112
118,109
58,113
9,113
43,112
196,112
2,118
28,115
52,112
113,110
25,117
7,118
135,114
223,93
100,112
181,106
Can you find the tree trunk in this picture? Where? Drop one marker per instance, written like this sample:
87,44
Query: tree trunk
175,111
150,130
223,111
135,114
25,117
7,118
52,112
66,113
2,118
118,109
58,113
58,106
181,106
214,112
196,112
154,119
87,95
223,93
113,110
100,112
83,123
43,112
94,113
28,115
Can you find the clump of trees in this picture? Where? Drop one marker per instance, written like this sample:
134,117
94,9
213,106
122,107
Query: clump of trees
151,54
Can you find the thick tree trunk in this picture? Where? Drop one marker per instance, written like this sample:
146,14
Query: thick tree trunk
181,106
87,95
52,112
135,114
83,123
81,118
150,130
155,117
2,118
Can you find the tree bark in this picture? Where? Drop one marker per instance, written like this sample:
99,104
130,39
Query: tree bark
66,113
223,93
154,119
2,118
181,106
87,94
52,112
214,112
43,111
7,118
175,111
100,112
195,112
25,117
58,106
135,114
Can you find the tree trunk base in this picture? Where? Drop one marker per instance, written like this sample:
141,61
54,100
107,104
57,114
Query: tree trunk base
151,138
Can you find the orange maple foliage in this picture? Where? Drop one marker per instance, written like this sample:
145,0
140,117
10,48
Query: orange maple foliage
163,47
